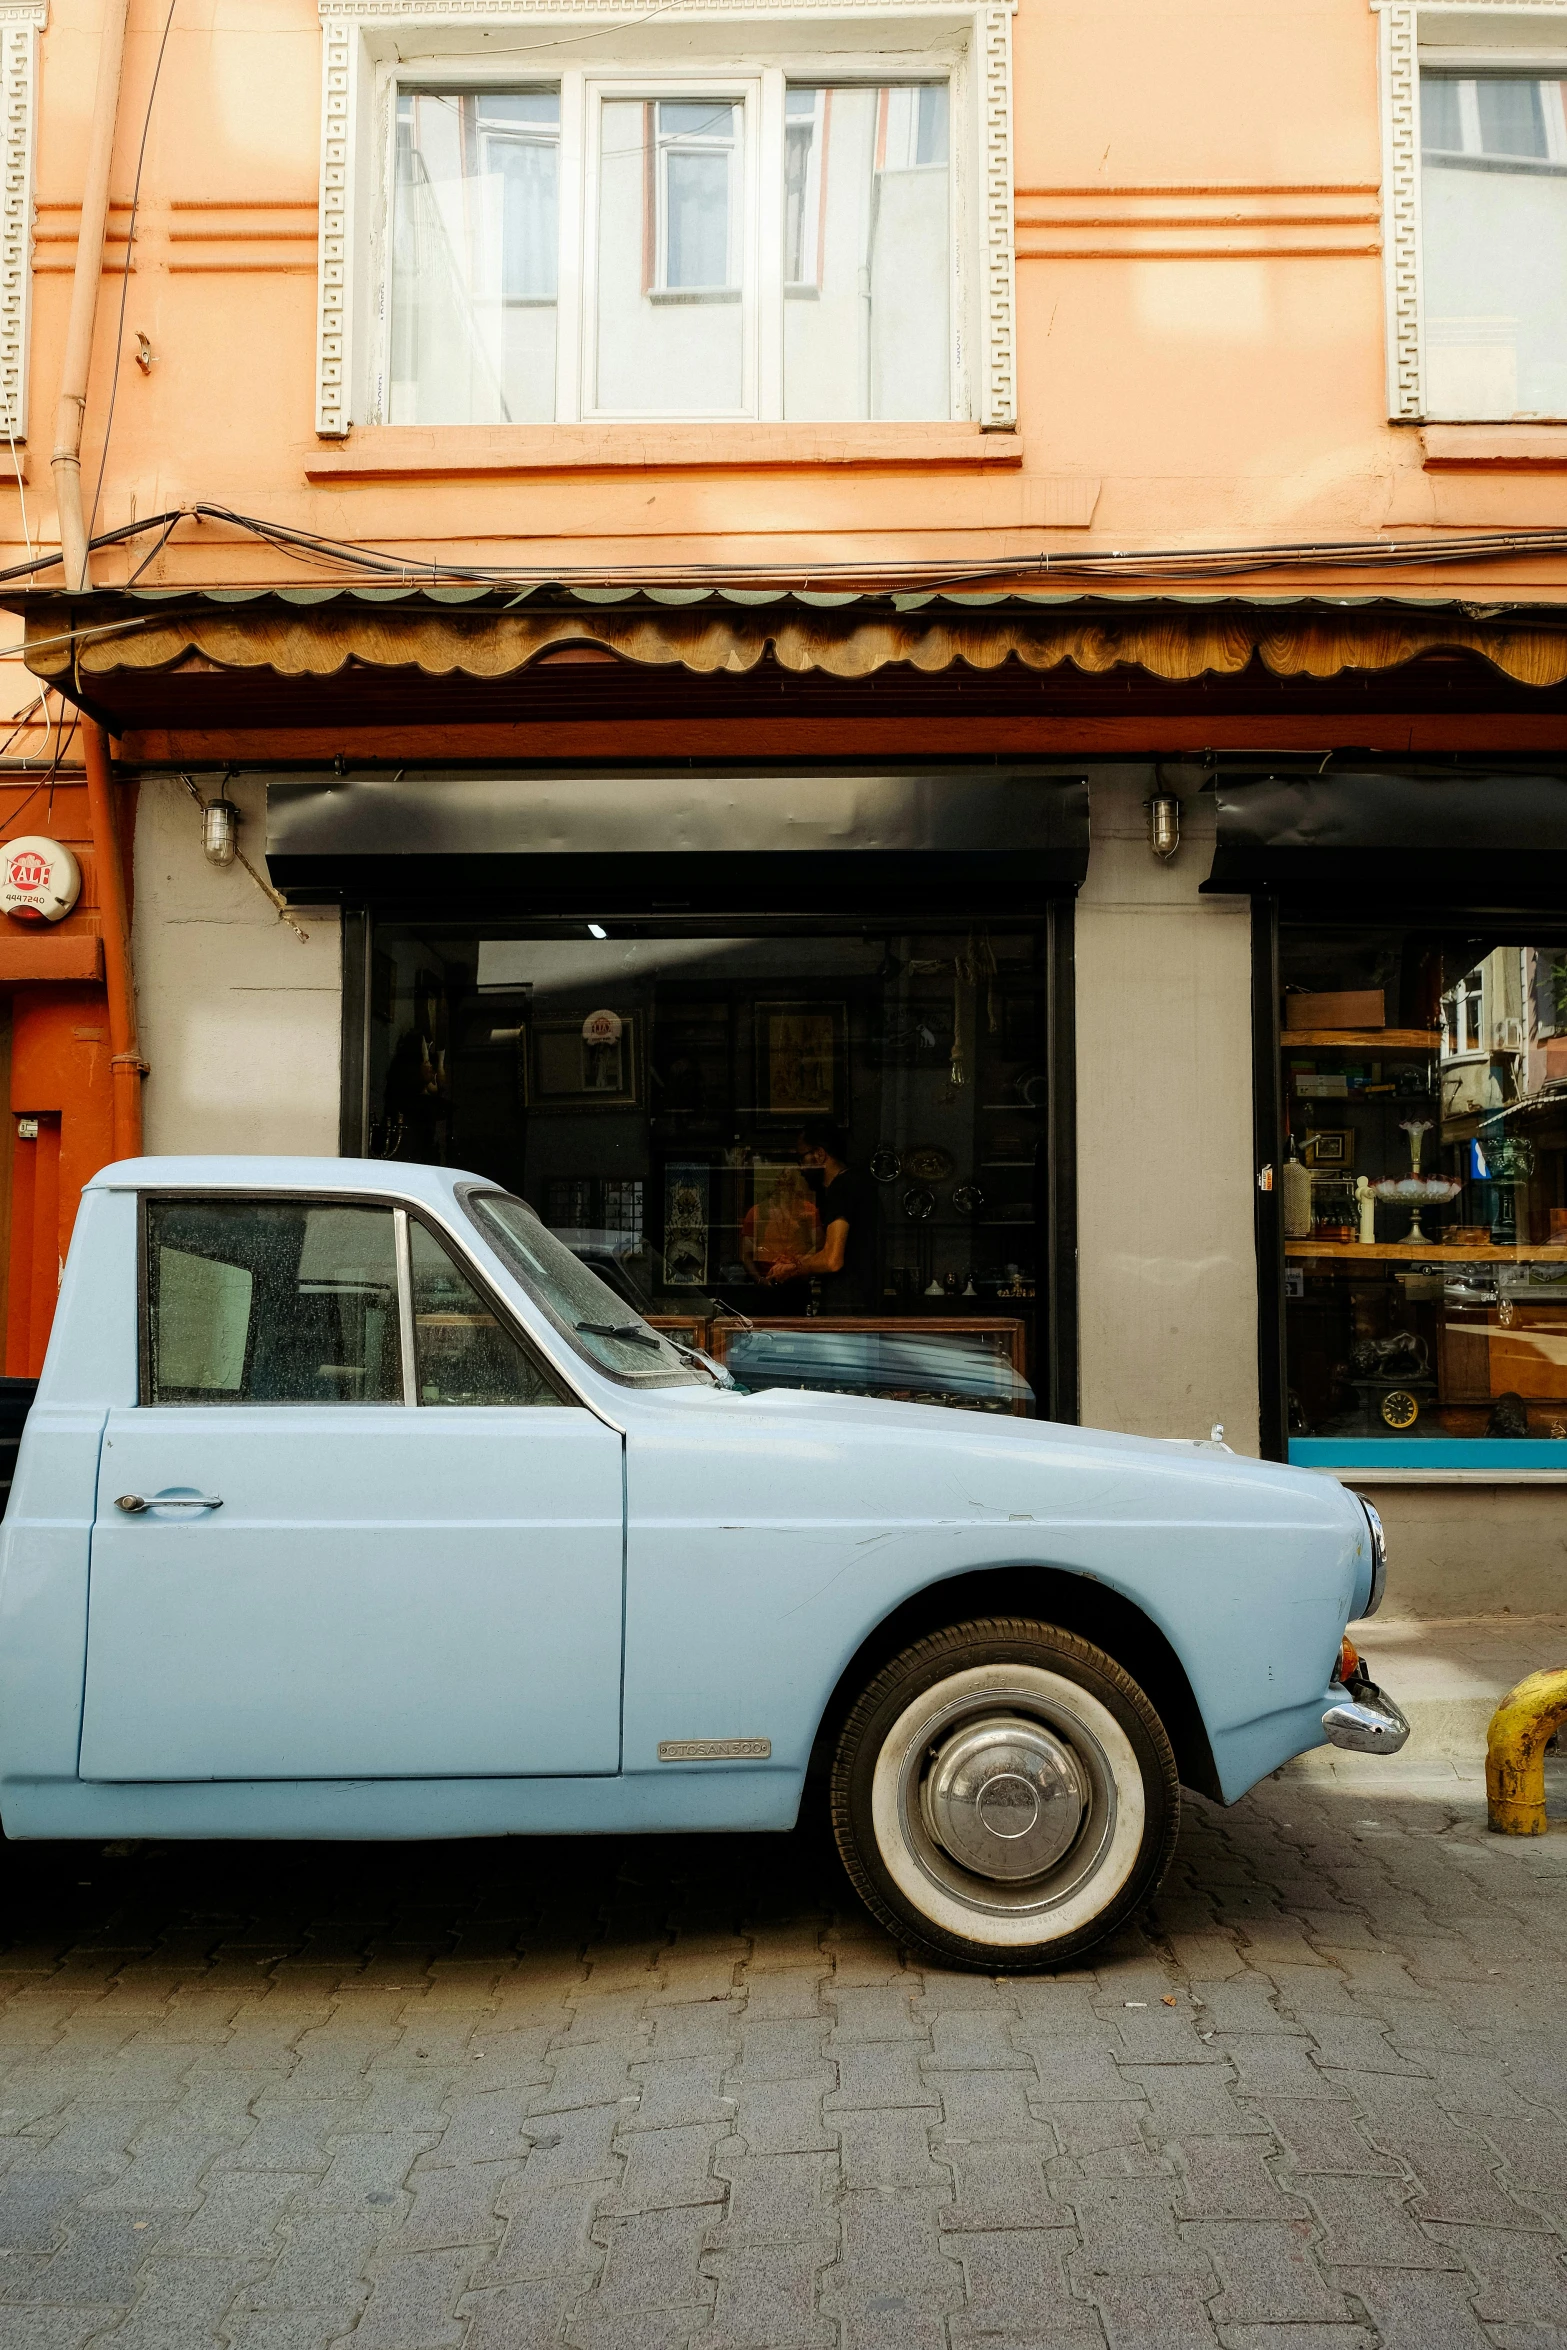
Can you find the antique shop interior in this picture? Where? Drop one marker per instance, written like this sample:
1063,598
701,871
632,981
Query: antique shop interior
1411,1024
648,1094
702,1022
1424,1190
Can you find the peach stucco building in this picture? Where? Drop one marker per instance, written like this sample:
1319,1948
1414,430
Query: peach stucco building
988,578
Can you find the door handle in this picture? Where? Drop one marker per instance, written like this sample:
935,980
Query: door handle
134,1504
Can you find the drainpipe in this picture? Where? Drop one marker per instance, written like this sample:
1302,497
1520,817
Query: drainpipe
71,408
125,1061
126,1066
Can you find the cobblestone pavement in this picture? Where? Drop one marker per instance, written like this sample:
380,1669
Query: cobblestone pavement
680,2095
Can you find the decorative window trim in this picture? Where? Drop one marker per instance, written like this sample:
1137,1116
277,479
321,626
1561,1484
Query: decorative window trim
348,170
1400,28
20,24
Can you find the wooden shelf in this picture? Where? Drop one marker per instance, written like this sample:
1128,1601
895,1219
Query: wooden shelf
1365,1040
1427,1251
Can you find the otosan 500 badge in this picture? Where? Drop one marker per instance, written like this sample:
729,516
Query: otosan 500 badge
40,880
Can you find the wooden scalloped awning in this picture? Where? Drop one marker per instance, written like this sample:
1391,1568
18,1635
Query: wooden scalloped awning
327,639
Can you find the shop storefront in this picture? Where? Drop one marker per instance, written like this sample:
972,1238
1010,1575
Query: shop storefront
786,1056
1412,1031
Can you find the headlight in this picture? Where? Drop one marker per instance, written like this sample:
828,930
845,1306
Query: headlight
1378,1557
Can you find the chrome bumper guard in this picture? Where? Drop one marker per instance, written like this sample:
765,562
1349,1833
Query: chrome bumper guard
1364,1719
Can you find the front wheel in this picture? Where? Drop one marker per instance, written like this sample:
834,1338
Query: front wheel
1004,1795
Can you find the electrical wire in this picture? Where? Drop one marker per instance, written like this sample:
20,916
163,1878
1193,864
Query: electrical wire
105,538
337,561
1174,562
125,274
10,434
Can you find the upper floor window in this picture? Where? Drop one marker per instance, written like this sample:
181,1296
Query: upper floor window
721,245
1493,240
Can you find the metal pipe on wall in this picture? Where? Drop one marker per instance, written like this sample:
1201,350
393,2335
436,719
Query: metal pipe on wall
126,1066
71,408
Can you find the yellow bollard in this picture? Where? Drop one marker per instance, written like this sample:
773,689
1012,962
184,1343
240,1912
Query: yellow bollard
1521,1729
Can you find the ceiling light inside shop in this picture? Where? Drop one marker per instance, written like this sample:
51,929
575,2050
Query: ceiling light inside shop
597,930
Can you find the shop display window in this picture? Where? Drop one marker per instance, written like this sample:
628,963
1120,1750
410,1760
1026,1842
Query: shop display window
1424,1196
821,1156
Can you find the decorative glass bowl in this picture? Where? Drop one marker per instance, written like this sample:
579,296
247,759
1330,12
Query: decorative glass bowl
1416,1192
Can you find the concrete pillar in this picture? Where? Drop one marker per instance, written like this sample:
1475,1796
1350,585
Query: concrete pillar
1168,1284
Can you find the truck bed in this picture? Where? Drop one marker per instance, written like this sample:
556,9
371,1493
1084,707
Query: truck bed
16,1401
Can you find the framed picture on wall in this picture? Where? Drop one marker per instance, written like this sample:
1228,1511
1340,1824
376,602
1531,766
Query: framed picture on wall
800,1059
1332,1146
686,1216
586,1064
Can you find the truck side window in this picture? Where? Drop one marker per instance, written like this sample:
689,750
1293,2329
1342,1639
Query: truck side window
463,1353
271,1301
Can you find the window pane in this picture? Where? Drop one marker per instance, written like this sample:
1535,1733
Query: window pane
670,310
599,1323
1511,120
475,235
824,1156
1440,119
256,1301
1494,238
1424,1197
462,1352
866,253
697,194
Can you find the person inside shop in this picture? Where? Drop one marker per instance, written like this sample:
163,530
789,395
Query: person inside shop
844,1265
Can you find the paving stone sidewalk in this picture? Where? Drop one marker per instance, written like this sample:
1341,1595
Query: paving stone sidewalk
681,2095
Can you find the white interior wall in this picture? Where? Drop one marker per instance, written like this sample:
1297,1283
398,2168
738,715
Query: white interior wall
240,1022
1167,1268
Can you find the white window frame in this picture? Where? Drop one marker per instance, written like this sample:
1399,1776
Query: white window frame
1520,36
367,51
737,147
747,93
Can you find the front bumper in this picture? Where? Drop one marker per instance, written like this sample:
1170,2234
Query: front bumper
1363,1718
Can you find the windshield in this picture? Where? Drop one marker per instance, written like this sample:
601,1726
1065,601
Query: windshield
583,1308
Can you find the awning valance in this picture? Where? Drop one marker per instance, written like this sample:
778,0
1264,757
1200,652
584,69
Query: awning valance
86,644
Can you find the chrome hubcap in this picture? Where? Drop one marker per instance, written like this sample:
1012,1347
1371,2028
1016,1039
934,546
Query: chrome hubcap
1003,1798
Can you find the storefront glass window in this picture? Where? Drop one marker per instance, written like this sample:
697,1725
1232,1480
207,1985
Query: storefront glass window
1424,1202
821,1157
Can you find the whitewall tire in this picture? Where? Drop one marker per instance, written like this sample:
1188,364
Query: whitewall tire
1004,1795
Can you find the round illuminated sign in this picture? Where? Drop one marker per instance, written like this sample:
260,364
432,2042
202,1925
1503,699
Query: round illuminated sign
602,1028
40,880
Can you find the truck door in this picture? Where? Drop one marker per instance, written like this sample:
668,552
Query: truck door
354,1528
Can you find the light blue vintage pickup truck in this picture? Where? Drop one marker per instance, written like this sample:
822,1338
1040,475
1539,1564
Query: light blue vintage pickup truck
353,1504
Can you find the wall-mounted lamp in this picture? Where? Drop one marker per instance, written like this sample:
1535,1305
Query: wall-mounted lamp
1164,825
219,831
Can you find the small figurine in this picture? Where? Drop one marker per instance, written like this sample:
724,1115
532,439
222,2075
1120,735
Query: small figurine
1368,1210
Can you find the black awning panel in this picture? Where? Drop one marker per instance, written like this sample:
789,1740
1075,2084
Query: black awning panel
1395,839
741,838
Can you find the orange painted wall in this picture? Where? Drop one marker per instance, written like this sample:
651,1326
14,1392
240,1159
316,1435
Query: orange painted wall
59,1077
1191,367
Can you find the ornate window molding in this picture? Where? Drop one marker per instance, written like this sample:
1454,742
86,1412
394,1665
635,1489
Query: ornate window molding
1402,23
20,24
346,308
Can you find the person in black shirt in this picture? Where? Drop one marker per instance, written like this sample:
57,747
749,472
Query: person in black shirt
845,1262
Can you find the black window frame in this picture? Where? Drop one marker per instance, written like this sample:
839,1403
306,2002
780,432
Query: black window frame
1056,1312
1272,912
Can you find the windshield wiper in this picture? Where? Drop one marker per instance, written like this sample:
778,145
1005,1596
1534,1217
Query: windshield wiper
629,1330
